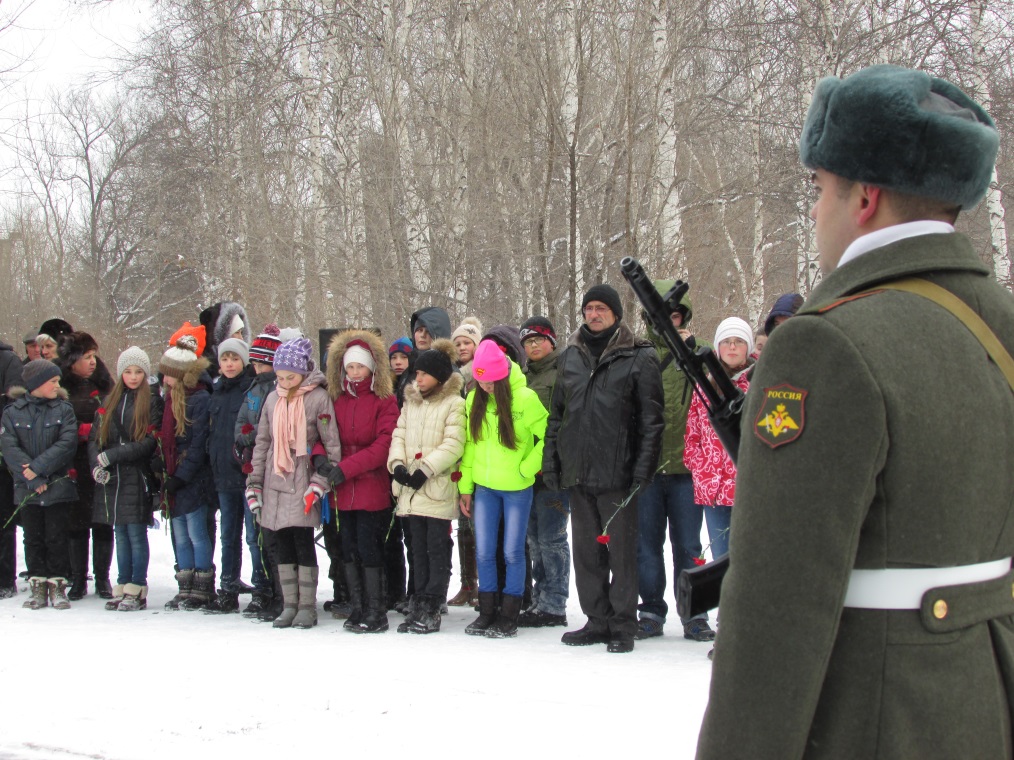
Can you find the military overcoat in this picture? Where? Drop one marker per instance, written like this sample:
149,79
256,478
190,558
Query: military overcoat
892,449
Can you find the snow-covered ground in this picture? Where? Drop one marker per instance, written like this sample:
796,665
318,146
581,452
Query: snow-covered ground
186,685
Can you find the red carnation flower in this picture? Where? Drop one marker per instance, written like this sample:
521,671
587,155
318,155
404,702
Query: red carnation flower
152,428
455,476
247,429
325,418
700,561
93,394
418,455
101,410
72,473
603,539
247,468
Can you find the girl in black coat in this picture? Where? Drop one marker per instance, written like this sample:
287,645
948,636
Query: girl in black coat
120,449
86,379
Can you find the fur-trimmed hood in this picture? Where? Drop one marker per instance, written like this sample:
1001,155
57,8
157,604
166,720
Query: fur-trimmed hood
383,377
230,309
16,392
453,384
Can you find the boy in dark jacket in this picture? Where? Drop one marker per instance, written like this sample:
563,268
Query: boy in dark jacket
38,436
228,394
262,354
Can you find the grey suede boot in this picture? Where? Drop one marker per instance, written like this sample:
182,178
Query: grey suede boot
40,594
58,594
306,614
290,594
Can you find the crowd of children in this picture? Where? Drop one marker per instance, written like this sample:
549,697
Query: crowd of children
248,434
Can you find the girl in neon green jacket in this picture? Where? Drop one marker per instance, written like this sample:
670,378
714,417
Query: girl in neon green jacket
505,427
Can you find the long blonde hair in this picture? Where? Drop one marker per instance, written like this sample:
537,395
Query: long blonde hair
178,399
142,411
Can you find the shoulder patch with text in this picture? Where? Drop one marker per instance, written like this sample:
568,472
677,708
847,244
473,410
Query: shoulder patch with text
781,416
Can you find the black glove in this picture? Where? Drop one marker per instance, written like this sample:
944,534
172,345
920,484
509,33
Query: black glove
400,474
551,480
336,477
174,484
323,466
417,479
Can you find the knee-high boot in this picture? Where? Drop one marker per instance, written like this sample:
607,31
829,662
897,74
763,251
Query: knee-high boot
102,560
77,549
468,596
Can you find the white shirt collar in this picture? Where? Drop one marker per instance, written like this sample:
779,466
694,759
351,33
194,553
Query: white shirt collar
892,234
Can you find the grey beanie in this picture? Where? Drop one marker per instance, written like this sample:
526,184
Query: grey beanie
37,372
235,346
902,130
133,357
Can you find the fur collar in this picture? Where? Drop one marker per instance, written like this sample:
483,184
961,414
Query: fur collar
383,377
18,392
451,388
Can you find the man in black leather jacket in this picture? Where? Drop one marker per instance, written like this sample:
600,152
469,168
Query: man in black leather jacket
602,444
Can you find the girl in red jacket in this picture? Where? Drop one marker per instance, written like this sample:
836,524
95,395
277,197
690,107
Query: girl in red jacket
361,385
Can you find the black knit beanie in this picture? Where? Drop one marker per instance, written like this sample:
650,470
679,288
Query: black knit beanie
606,294
435,363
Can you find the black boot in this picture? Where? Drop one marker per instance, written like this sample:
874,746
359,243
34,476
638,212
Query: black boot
375,619
102,560
355,584
427,620
487,614
506,624
77,549
412,609
340,590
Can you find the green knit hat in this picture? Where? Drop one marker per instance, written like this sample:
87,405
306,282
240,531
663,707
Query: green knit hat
902,130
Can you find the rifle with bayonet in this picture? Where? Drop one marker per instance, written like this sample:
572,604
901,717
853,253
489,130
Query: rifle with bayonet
698,589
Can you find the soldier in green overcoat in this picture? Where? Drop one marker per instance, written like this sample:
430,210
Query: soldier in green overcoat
875,495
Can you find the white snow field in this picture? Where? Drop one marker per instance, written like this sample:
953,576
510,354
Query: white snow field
88,683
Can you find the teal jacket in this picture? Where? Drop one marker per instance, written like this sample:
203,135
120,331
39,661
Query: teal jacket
486,461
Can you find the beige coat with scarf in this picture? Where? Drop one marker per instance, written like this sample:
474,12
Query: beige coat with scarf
282,498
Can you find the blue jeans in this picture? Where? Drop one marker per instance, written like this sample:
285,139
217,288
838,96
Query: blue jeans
550,550
131,554
233,506
719,519
190,536
667,501
487,506
258,577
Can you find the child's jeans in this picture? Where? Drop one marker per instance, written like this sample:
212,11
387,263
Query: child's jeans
190,535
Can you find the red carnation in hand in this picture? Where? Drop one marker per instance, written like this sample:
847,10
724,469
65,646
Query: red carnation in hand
72,473
700,561
83,431
247,429
324,418
418,455
100,411
455,476
152,428
93,394
603,539
247,468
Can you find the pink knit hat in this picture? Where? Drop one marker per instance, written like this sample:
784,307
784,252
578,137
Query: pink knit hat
490,363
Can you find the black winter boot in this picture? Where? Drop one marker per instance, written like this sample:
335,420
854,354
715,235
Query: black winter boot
77,550
355,584
102,560
487,614
506,624
412,609
375,619
427,620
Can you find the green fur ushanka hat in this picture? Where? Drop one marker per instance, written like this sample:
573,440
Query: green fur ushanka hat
902,130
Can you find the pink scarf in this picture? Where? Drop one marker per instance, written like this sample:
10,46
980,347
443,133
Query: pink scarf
288,429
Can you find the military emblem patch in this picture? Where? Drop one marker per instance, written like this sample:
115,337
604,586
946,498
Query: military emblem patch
781,416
